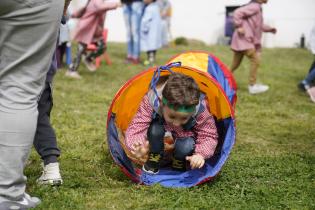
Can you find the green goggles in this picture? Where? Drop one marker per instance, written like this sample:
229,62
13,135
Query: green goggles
185,109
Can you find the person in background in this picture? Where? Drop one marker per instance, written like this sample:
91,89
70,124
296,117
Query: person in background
151,30
308,82
132,15
166,13
89,30
246,40
64,43
45,141
25,57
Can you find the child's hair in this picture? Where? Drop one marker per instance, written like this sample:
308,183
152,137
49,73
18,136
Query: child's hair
181,90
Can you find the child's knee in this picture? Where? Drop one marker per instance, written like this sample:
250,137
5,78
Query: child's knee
184,147
155,135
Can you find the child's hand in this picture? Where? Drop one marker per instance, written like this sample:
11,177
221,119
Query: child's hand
196,161
240,31
119,4
273,30
140,151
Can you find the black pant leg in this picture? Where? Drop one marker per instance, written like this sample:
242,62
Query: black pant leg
45,141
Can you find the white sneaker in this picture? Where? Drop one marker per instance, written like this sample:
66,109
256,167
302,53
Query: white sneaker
51,175
89,64
73,74
311,93
257,88
26,202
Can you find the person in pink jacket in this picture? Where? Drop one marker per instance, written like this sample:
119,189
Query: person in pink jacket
246,40
89,30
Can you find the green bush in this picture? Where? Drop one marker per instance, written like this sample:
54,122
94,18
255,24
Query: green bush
181,41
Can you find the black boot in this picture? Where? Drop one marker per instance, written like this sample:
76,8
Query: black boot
178,165
152,165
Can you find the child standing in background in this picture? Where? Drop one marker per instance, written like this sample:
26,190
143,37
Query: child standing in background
246,40
166,13
89,30
150,31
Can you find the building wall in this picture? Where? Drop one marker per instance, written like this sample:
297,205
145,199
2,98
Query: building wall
204,20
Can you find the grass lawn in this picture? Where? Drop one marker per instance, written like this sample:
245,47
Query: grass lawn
270,167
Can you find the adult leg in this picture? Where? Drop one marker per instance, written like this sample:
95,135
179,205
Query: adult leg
237,59
136,14
312,68
309,79
27,39
127,18
183,147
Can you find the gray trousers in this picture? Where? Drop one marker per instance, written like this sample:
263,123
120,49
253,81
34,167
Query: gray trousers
28,33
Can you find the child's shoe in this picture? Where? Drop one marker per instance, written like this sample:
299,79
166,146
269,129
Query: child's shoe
51,175
73,74
178,165
311,93
257,88
89,64
128,60
146,63
135,61
303,86
152,165
26,202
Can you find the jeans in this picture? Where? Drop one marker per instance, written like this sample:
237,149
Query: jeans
183,146
310,78
132,16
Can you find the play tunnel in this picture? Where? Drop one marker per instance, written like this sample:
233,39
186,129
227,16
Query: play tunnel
218,85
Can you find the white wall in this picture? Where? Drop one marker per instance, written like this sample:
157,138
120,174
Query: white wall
204,20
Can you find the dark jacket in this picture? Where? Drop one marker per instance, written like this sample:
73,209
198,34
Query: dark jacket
129,1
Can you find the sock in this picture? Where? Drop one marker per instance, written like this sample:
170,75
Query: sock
50,159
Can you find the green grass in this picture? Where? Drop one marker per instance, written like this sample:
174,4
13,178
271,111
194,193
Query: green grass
271,165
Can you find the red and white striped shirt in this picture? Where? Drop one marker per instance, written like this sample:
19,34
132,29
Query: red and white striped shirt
204,131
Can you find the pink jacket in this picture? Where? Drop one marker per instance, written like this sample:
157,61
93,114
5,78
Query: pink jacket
90,25
250,18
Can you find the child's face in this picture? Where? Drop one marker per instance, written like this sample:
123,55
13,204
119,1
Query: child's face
174,117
